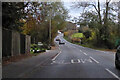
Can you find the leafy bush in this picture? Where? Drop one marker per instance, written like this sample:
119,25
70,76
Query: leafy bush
65,33
77,35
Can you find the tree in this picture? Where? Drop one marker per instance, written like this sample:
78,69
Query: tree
12,12
102,24
41,14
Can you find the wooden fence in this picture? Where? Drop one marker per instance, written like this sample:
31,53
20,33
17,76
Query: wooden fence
0,44
14,43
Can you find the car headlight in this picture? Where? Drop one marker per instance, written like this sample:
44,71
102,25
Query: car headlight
118,47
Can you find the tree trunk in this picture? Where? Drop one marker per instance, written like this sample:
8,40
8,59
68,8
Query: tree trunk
100,25
105,26
99,14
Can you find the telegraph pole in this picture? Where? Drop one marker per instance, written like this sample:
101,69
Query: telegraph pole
50,34
119,12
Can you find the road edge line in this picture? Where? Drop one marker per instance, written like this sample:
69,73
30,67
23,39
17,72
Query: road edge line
56,55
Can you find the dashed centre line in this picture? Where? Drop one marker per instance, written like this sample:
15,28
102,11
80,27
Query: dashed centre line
94,59
112,73
85,53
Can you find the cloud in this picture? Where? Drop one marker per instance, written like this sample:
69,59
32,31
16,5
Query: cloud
73,12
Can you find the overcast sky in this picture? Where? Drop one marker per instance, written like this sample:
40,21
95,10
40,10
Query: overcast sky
72,11
75,12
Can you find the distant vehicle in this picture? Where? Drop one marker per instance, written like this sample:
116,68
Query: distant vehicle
61,42
57,39
117,58
59,32
40,43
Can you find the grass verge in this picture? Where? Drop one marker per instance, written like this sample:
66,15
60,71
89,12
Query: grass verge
89,45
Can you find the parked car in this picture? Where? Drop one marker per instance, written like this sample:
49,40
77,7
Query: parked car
57,39
35,48
117,58
61,42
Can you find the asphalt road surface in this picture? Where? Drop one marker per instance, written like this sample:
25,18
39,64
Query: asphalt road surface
74,61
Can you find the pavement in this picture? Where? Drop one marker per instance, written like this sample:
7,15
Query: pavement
68,61
25,66
0,71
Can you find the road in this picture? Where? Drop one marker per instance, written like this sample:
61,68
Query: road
74,61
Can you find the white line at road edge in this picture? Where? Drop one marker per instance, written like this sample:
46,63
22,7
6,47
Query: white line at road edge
112,73
56,56
94,59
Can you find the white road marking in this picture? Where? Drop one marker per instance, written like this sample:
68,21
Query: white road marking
90,60
56,56
82,61
78,61
94,59
72,61
112,73
85,53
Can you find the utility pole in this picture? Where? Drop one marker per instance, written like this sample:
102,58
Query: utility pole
119,17
0,40
76,25
50,34
119,12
